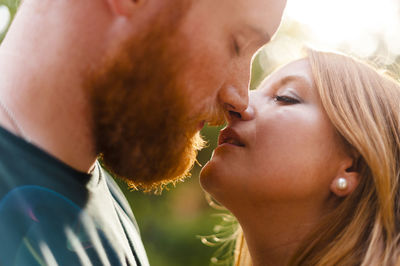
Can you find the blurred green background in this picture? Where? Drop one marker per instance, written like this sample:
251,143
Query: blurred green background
171,223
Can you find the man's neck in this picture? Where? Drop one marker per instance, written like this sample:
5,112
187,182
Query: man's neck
43,61
46,96
53,115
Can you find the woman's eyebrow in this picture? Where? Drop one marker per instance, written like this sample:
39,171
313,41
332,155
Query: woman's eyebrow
291,78
276,84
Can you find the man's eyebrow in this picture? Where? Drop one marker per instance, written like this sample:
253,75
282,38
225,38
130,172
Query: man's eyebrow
263,36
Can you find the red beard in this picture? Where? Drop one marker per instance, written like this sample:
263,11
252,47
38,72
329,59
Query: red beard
141,126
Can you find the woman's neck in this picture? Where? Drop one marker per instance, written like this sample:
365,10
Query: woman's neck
274,233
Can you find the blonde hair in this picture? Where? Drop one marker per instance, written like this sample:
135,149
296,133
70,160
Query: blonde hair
364,107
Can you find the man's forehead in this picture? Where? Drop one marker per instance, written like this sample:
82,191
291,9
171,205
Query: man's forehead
259,31
263,16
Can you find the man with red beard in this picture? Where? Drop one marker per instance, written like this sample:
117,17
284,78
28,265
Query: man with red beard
128,81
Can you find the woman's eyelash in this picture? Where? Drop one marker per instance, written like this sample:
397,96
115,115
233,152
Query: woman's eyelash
286,99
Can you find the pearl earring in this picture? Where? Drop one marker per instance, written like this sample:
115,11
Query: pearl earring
341,183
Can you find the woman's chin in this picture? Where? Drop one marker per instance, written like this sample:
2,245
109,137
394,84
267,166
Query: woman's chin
210,177
206,176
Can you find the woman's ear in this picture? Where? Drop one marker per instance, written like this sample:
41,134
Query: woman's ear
347,178
124,7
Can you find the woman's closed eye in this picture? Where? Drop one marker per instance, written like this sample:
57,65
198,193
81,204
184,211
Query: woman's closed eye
285,99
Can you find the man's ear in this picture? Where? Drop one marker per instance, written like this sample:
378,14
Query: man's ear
347,178
124,7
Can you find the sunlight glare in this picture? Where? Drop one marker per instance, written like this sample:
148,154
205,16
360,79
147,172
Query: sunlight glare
4,18
357,24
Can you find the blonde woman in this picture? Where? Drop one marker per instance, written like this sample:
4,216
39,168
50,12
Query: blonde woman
311,168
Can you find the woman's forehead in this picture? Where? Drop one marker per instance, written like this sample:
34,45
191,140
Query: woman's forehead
295,70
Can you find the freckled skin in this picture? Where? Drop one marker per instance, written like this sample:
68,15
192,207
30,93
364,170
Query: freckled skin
187,58
185,72
215,73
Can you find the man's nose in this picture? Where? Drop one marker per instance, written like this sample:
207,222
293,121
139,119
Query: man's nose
234,98
245,115
234,95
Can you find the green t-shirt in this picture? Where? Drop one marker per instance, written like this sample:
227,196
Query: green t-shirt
51,214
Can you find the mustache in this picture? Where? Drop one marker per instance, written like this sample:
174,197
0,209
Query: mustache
215,116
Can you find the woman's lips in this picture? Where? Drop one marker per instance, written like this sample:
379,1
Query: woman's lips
229,136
